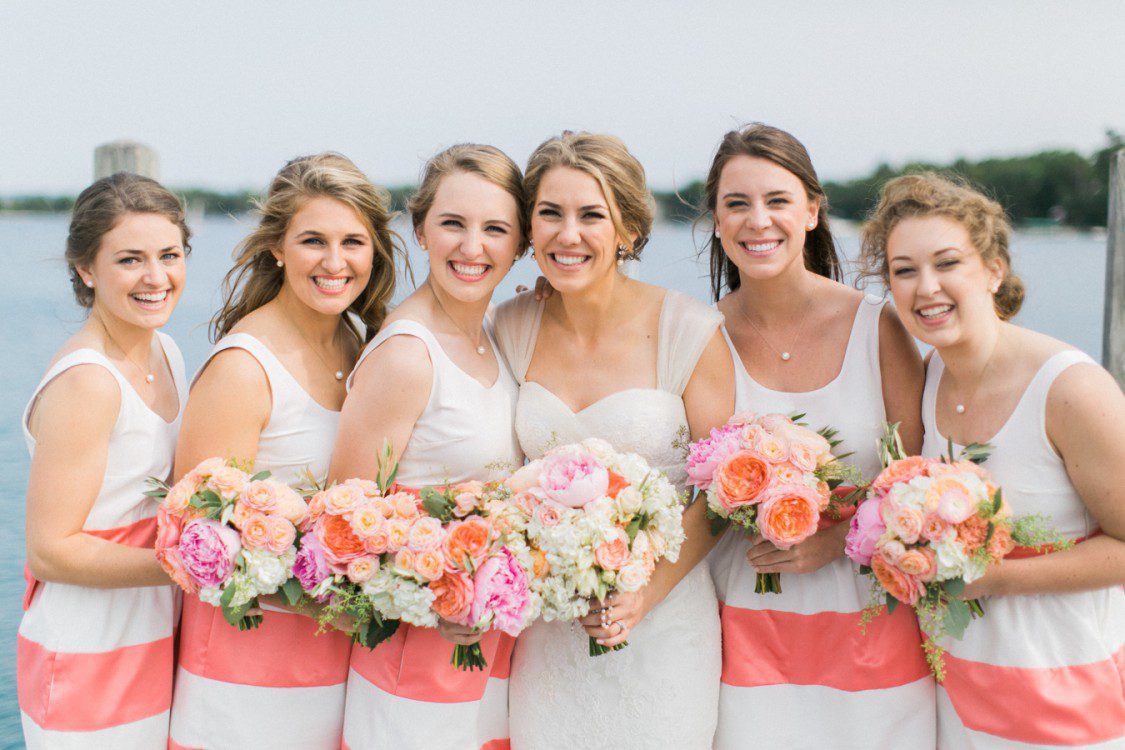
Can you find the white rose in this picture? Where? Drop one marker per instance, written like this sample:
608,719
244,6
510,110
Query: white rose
632,577
952,562
629,501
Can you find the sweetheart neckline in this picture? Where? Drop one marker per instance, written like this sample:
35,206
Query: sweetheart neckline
601,400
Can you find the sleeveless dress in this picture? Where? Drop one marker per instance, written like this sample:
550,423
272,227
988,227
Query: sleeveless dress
405,693
280,685
94,666
797,669
661,691
1042,669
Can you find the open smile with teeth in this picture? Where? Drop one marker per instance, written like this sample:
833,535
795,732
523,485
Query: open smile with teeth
150,298
570,260
469,270
761,246
331,283
935,312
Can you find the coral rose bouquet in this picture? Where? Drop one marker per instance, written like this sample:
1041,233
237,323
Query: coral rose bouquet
927,528
770,475
595,521
229,536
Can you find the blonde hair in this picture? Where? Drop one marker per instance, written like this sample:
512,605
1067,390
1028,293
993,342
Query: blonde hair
256,278
97,211
931,194
488,162
618,173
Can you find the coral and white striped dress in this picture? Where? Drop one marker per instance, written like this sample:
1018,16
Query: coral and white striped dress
405,694
94,666
797,669
1039,670
280,685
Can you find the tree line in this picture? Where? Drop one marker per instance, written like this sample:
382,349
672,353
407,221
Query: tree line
1049,187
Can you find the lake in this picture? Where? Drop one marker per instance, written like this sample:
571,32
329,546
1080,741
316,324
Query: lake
1064,275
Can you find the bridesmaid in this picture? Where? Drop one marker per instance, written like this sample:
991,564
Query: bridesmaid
644,368
271,393
94,650
804,342
1045,666
431,383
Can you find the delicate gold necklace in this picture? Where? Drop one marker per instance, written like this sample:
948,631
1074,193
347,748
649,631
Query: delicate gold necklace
479,346
785,355
148,375
963,406
338,374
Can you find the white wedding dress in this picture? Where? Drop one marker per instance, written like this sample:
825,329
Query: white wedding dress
662,690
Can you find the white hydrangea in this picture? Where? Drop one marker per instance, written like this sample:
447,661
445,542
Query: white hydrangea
210,595
265,571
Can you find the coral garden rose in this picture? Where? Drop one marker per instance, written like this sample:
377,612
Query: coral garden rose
259,495
169,527
573,479
282,534
935,528
772,448
405,505
971,533
338,540
369,488
398,531
788,514
227,482
898,584
341,499
290,505
362,569
404,561
906,523
425,534
208,550
467,539
179,496
616,484
453,596
255,530
379,541
366,520
866,528
429,564
920,563
539,565
741,479
613,553
902,470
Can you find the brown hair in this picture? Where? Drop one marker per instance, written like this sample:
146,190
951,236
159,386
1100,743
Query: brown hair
256,278
488,162
618,173
929,194
101,206
778,146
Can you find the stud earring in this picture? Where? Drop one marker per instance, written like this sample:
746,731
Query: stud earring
811,226
621,255
995,288
89,284
717,235
280,263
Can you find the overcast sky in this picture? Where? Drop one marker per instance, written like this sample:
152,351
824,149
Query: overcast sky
228,91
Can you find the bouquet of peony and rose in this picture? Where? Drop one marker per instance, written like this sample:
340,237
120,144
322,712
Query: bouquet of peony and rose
229,536
595,520
927,528
384,555
771,475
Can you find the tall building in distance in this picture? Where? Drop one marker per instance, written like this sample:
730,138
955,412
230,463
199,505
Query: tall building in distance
125,156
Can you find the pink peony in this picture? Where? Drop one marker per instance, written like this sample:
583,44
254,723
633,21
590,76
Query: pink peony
705,456
207,550
574,479
169,527
500,587
310,567
866,528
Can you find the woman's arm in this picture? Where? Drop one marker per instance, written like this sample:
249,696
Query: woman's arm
1085,418
709,403
72,421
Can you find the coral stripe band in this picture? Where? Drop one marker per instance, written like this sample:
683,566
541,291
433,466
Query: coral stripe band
768,647
415,663
212,648
1072,705
501,662
139,534
1022,553
843,512
57,690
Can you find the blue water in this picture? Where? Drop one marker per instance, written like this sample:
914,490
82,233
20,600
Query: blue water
1064,276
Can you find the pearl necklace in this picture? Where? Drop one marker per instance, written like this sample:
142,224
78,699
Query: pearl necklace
785,355
338,374
479,346
962,406
148,375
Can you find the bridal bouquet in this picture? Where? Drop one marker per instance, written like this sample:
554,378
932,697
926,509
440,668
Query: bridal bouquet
595,521
769,475
229,537
929,527
385,555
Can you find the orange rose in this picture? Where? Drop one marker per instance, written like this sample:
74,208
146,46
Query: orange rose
429,564
366,520
920,563
614,553
741,479
241,514
362,569
398,531
900,471
467,539
339,541
281,534
788,514
616,484
453,596
180,495
898,584
378,542
539,565
405,505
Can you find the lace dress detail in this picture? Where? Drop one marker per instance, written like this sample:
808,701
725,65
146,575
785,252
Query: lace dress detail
662,690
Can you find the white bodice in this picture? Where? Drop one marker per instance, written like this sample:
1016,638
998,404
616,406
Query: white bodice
300,434
1022,462
465,431
662,689
852,402
141,445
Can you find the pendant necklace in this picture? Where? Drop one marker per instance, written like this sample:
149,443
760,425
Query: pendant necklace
479,346
148,376
962,406
784,355
338,374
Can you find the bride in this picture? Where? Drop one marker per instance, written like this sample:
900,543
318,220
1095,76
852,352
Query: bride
644,368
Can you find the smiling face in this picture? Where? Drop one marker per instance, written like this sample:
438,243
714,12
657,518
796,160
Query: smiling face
328,253
138,272
572,231
762,215
941,287
472,235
